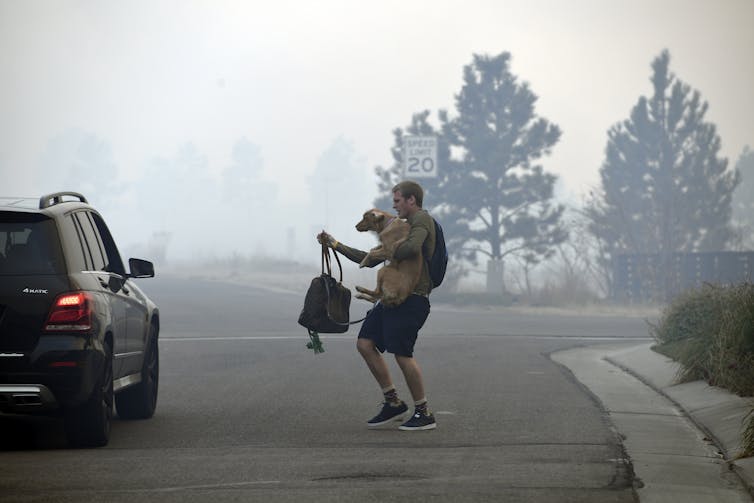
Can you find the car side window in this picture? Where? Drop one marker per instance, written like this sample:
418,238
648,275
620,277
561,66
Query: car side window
91,240
79,257
114,262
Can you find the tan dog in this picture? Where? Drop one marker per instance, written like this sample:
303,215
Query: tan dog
397,279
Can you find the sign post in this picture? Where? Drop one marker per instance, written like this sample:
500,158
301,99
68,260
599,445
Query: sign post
419,157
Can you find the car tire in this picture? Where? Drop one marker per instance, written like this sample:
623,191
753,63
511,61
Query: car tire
88,425
140,400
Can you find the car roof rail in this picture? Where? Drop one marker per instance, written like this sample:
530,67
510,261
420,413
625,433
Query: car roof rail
57,198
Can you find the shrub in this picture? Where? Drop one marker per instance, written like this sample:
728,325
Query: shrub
710,332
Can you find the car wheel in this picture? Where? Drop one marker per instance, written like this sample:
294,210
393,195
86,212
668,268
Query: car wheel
140,400
89,424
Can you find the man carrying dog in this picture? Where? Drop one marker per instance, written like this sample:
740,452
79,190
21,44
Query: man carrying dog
395,329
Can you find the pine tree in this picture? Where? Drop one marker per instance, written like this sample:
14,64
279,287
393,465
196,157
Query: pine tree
504,195
492,196
664,188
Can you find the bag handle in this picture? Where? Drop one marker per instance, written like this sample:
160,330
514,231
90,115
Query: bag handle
326,261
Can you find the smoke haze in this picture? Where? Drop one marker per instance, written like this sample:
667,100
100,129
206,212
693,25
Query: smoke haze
245,127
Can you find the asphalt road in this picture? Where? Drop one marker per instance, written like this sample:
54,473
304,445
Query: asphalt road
247,413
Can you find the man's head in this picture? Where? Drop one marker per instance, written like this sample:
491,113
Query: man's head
407,198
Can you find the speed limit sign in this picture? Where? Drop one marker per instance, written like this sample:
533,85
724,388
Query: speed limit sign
420,156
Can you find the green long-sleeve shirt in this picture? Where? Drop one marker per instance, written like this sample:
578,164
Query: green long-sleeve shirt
421,239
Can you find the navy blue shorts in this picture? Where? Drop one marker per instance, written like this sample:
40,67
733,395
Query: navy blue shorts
394,329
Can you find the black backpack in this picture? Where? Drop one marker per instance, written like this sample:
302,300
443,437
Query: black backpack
438,262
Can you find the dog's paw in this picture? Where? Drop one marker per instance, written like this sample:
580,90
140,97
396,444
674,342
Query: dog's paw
366,297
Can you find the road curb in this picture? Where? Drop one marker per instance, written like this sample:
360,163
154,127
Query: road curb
728,408
665,436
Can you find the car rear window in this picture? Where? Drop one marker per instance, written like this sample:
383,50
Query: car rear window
29,245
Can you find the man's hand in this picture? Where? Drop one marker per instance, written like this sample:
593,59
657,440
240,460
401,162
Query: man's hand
326,239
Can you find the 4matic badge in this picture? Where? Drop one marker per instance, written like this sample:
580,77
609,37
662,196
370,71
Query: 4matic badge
38,291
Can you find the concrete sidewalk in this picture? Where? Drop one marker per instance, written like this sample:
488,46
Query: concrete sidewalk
681,438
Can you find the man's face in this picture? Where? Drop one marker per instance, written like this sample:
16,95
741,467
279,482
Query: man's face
401,204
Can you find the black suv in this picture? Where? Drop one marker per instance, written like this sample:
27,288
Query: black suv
76,334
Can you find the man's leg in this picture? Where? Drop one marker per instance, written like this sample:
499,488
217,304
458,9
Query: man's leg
413,375
422,419
393,408
375,362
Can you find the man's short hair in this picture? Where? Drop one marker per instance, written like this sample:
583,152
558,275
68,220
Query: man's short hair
408,188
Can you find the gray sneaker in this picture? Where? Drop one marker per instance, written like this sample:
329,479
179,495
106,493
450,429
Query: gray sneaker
419,421
388,413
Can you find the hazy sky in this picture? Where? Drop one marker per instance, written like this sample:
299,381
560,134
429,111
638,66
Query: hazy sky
292,77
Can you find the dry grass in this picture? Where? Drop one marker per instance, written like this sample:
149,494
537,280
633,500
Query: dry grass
748,436
710,332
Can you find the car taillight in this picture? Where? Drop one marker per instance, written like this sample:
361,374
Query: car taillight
70,312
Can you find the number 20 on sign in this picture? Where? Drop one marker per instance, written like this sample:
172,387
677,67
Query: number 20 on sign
419,156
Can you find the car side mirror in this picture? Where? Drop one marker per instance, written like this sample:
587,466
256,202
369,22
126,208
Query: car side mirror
140,268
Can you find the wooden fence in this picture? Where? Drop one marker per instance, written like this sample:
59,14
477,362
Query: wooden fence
641,278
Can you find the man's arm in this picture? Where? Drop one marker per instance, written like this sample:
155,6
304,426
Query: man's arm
413,244
353,254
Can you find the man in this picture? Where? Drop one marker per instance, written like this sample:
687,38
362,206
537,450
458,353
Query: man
395,329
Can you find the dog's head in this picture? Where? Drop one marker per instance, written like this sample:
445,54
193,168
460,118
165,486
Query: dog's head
373,220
